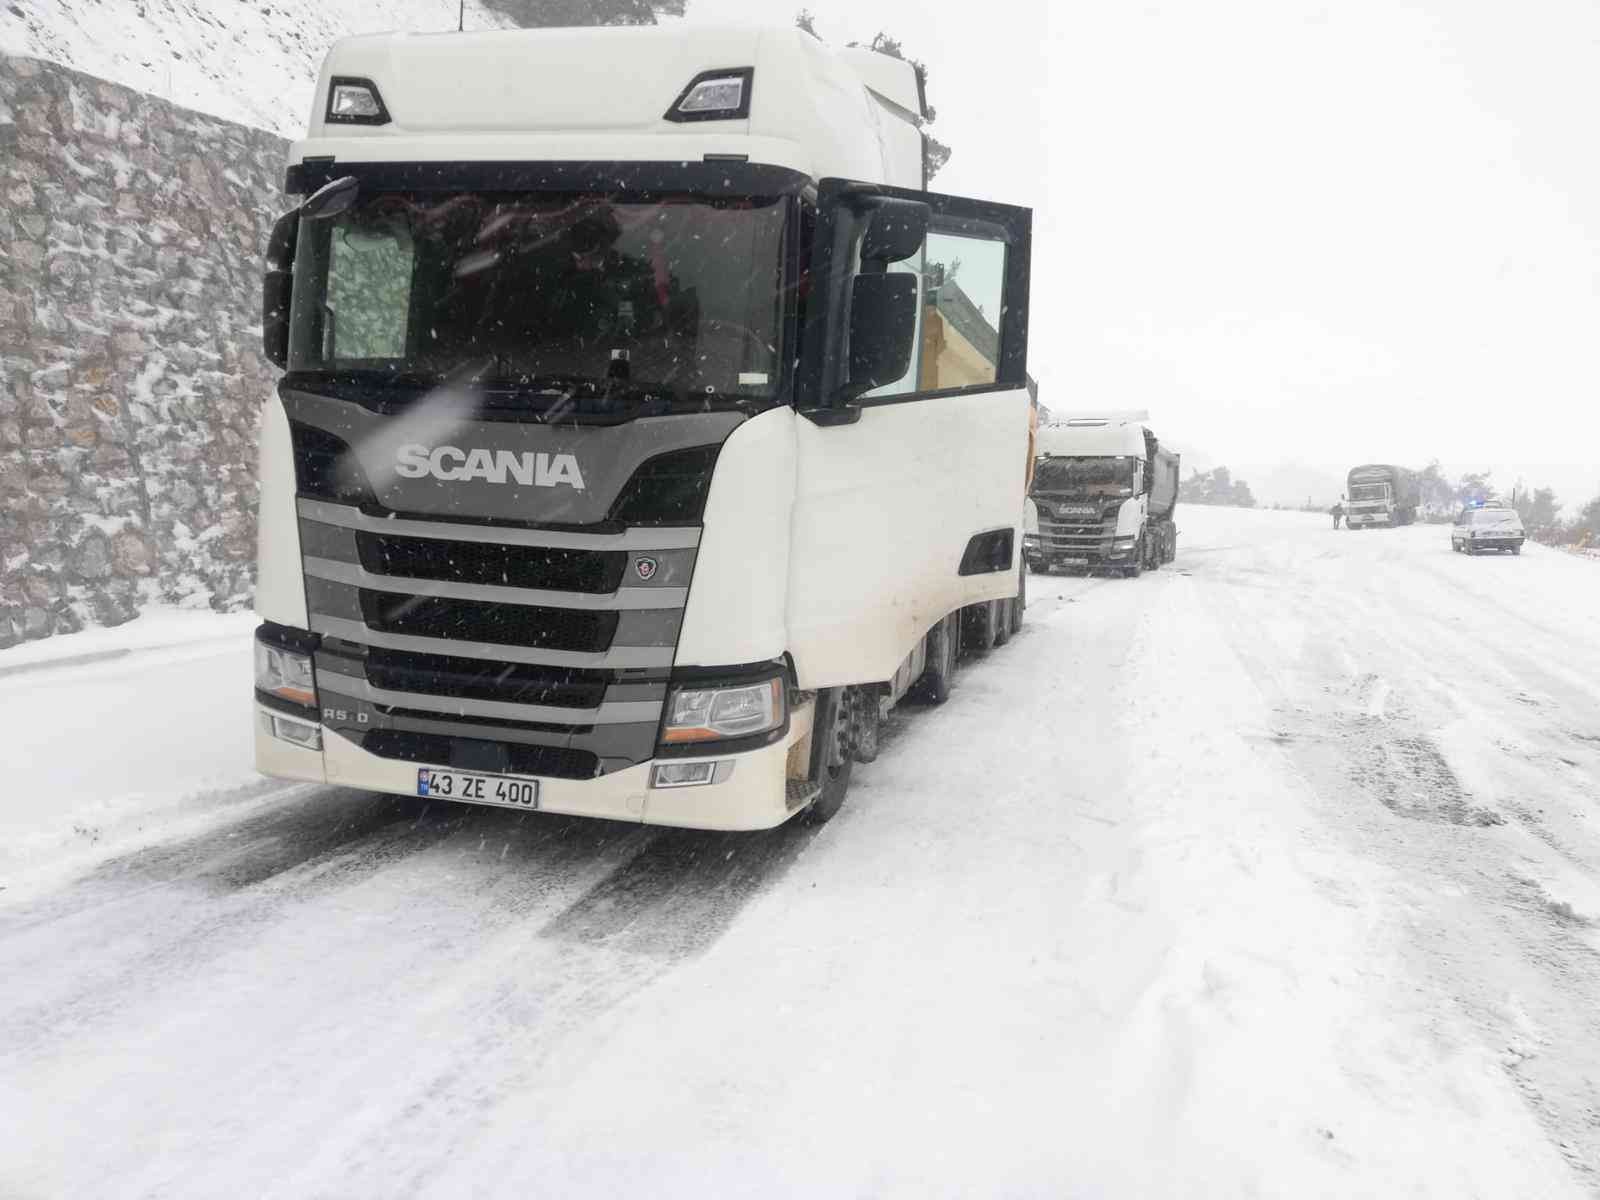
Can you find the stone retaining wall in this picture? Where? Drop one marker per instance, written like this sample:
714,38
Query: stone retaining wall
131,235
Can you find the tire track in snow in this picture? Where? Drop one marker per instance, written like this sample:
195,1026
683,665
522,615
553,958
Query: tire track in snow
1410,692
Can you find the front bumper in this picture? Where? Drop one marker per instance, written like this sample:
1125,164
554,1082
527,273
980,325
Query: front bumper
1087,548
754,796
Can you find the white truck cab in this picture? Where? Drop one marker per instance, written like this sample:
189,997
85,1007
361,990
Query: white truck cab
646,426
1103,494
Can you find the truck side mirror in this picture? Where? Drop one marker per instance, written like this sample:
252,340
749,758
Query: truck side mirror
277,289
896,229
883,329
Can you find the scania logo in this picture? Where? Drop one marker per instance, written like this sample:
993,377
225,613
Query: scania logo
645,566
453,464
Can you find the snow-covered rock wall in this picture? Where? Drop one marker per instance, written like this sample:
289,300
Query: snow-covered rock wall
131,235
253,61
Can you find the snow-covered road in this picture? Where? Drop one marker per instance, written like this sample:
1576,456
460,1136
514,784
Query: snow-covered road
1273,873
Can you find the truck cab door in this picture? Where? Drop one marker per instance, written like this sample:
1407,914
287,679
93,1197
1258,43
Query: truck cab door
912,439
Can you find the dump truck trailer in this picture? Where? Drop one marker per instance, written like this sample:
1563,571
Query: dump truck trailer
1103,495
559,509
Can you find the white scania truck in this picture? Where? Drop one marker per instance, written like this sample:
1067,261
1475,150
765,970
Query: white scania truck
1103,495
647,429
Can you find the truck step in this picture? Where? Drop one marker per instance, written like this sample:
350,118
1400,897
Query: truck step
798,793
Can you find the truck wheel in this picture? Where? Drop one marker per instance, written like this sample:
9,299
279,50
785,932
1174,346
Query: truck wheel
1020,604
1516,549
980,627
1136,568
939,676
832,753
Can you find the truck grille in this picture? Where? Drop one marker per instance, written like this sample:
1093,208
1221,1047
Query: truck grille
587,571
557,762
1081,538
480,679
512,629
479,621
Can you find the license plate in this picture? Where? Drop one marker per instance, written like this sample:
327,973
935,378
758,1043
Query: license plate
507,791
1073,562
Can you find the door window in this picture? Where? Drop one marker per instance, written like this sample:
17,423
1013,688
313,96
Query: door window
970,299
960,306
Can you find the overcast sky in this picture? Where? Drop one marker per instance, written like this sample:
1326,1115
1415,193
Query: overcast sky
1331,232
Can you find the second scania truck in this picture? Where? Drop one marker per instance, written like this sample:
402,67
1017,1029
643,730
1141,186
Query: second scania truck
1103,494
647,430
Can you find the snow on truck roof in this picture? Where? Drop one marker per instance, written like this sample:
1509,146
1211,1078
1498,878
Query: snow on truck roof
1078,434
614,95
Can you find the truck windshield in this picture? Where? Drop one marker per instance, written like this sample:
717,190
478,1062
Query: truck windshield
671,297
1086,476
1369,491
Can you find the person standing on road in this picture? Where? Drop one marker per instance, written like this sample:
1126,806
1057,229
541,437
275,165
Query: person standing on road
1338,511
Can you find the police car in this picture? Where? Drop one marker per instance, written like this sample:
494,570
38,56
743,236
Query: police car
1481,527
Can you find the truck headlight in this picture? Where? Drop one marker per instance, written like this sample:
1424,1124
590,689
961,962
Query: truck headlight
286,674
709,713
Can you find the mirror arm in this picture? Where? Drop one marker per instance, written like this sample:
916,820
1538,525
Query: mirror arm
847,413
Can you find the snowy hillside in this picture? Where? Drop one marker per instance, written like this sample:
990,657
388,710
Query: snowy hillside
252,62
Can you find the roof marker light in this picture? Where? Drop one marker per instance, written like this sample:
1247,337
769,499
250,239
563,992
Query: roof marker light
355,102
714,96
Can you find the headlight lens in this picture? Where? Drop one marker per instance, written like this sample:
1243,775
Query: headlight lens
286,674
706,714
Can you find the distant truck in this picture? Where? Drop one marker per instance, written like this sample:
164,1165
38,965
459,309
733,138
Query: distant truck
1381,494
1103,494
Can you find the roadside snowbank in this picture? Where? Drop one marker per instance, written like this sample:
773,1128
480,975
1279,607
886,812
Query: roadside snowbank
114,735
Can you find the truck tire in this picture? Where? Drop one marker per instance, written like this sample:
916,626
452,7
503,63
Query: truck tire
832,754
1002,620
1172,544
1020,604
980,627
939,676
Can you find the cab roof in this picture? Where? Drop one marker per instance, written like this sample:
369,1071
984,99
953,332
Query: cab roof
605,94
1094,434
